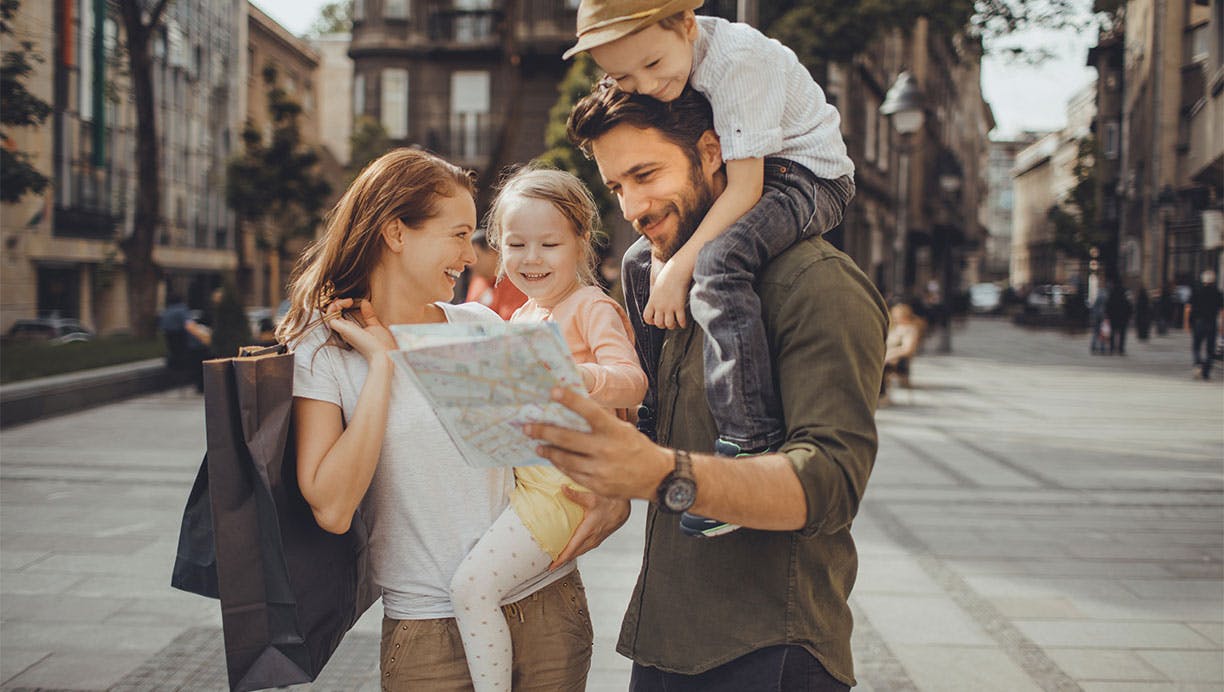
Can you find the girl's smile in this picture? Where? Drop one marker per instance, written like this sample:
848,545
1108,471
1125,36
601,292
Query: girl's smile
540,250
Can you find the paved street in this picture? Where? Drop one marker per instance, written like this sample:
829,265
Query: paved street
1039,518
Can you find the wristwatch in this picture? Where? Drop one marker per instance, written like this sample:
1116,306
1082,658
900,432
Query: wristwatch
678,490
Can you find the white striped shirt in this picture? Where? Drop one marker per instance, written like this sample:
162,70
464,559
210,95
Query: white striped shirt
765,102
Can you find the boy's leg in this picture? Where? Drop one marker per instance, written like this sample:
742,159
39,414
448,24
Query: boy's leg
504,558
739,379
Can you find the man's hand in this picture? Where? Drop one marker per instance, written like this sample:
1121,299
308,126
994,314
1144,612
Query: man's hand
601,518
669,295
613,460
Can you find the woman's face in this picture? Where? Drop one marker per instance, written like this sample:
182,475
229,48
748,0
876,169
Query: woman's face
435,253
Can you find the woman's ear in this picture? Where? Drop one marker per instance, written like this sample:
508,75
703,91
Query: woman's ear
689,25
392,234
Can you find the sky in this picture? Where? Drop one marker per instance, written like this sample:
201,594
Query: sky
1022,97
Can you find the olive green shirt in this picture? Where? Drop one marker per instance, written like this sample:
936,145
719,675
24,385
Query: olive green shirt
701,602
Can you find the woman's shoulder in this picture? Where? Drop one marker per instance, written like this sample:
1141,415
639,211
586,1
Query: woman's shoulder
469,312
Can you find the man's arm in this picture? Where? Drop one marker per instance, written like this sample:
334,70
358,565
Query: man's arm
817,480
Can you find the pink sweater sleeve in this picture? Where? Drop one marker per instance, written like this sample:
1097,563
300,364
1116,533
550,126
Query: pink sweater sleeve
619,379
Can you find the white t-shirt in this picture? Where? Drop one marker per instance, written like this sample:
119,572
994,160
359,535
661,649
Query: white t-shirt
426,507
765,101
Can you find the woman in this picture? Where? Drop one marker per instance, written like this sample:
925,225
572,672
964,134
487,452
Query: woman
366,437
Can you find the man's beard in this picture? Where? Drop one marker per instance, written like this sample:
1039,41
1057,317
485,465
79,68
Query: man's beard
696,204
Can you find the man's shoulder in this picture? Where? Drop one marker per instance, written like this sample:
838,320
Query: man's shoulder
801,260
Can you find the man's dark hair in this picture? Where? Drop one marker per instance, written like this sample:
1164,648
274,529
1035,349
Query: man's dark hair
681,122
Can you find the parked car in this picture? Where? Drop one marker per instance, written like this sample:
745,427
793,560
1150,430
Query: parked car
985,298
53,330
1047,299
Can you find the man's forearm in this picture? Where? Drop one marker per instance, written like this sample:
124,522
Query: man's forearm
760,492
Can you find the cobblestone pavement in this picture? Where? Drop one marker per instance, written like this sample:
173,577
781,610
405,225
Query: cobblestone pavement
1038,518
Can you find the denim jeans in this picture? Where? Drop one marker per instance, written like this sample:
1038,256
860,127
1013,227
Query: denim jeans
795,204
1204,334
772,669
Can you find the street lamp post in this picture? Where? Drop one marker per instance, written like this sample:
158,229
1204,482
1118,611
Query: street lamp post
903,106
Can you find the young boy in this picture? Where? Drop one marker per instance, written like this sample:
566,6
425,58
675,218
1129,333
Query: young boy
788,178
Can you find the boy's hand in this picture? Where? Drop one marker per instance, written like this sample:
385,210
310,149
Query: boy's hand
666,308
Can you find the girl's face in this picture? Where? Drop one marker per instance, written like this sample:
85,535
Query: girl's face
540,250
434,255
652,62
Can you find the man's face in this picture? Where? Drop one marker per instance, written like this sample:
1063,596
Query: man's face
660,189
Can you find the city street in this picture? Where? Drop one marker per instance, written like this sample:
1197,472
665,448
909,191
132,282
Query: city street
1039,519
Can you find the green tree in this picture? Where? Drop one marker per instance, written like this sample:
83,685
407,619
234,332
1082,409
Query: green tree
1076,219
140,22
18,108
578,81
274,186
231,330
368,141
334,18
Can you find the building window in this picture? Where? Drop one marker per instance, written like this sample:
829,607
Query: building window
359,10
1198,43
572,4
869,129
395,102
1109,140
395,9
884,130
358,96
469,113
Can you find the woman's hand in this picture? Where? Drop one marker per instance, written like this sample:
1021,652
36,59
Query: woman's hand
372,340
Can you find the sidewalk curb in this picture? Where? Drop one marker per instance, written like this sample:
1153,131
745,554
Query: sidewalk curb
22,402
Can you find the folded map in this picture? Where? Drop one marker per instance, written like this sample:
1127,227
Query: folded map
485,381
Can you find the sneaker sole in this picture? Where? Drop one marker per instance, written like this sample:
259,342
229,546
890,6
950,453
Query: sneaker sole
720,530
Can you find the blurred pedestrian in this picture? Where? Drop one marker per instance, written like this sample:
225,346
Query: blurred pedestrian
904,335
1202,319
1098,324
486,286
1143,314
1164,309
1118,310
185,352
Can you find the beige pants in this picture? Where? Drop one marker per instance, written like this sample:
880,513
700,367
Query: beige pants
551,631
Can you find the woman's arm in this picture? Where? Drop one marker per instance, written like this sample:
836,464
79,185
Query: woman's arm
336,462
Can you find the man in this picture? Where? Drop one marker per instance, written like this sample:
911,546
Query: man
1203,314
502,297
764,607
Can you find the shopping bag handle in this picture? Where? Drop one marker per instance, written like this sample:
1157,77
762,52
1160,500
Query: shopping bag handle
251,351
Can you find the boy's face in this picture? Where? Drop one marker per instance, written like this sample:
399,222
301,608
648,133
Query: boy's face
654,61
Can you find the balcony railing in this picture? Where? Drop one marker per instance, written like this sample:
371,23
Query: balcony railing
79,222
464,26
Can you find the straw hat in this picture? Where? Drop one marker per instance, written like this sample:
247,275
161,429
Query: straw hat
604,21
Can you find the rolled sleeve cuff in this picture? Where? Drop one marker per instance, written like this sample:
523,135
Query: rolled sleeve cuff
742,143
804,458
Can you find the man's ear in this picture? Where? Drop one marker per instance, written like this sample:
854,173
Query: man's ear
710,151
392,234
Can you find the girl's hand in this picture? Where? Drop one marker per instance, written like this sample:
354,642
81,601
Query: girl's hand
669,296
372,340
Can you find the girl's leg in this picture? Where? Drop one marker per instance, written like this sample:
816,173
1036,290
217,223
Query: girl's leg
505,557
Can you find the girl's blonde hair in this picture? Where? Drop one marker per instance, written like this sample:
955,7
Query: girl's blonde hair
567,194
403,184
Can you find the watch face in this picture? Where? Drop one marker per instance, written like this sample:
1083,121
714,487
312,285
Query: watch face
681,493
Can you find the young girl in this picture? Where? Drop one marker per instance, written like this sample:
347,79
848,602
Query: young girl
542,222
788,178
367,437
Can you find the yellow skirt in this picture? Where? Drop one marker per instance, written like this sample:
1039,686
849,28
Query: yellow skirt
548,514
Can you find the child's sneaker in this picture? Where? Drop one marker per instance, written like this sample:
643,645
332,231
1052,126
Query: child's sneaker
693,525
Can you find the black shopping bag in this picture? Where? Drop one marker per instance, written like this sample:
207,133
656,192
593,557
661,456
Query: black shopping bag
195,565
289,590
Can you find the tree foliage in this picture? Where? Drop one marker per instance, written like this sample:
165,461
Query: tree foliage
834,30
1076,218
274,184
368,141
18,108
578,81
334,18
